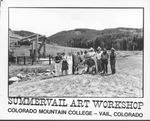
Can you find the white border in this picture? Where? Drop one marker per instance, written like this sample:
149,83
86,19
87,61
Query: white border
70,3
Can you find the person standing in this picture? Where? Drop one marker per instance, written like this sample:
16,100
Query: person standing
58,59
76,61
86,56
105,57
64,64
82,56
70,63
113,60
95,62
99,61
92,54
73,62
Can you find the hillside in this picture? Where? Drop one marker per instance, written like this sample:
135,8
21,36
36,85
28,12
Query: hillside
23,33
119,38
20,34
51,49
13,36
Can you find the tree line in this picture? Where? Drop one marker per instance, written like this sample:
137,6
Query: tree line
119,42
118,38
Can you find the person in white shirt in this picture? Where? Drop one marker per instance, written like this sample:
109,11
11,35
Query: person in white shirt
91,52
99,61
70,63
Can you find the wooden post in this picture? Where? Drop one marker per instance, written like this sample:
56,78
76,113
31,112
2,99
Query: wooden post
44,48
32,46
49,60
36,48
17,60
32,60
27,37
133,47
24,58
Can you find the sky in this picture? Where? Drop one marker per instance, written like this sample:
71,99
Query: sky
48,21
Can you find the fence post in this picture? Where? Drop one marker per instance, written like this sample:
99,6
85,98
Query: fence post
33,59
49,59
36,48
17,60
24,58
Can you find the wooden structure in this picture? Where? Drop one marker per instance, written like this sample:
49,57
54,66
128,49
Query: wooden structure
36,44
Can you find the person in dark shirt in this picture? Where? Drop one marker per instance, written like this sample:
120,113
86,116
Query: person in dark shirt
104,58
58,59
82,56
113,61
64,63
76,61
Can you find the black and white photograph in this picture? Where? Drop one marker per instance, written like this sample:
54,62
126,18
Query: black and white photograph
76,52
74,59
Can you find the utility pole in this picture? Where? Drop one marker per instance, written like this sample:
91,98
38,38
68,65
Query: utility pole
133,47
44,48
36,47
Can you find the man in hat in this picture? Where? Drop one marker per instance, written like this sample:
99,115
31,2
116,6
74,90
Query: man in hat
91,52
105,57
113,60
98,57
98,48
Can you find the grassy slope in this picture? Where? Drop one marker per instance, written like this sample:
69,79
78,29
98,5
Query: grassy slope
50,50
127,82
86,36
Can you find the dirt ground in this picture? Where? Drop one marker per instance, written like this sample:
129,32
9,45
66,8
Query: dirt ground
127,82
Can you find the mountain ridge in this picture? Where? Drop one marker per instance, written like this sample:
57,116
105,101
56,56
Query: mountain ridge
120,38
106,38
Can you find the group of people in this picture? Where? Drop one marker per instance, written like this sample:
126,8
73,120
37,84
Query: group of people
69,63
